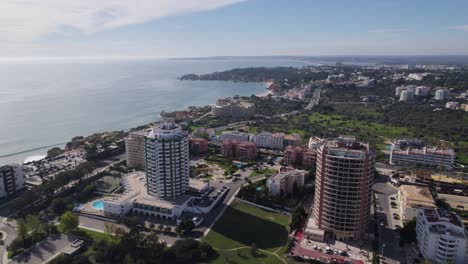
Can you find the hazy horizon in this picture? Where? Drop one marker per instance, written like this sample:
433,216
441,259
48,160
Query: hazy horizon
206,28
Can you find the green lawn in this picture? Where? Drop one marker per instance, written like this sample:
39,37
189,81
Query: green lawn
244,256
359,127
262,171
94,235
243,224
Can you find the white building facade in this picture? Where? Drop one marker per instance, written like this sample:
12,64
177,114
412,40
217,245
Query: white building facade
441,236
234,135
283,183
277,140
441,94
263,140
12,178
167,161
431,156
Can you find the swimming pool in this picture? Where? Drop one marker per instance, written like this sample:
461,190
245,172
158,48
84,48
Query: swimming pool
98,205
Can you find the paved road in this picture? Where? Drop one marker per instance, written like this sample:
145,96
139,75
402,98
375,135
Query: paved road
389,238
234,186
314,100
10,232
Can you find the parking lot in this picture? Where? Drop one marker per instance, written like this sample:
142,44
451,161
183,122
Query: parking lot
47,249
335,248
388,214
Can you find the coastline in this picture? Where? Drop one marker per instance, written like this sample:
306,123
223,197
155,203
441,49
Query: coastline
268,90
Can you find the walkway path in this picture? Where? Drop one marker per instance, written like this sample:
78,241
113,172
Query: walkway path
261,250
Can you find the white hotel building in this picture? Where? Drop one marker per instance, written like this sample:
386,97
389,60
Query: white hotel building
430,156
441,236
165,190
167,161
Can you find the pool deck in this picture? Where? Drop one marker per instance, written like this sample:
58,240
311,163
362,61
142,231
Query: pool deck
89,209
98,204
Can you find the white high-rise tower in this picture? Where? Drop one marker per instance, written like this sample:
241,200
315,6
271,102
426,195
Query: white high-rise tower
167,160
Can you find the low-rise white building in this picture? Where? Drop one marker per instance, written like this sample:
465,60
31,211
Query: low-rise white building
441,236
452,105
277,140
230,107
234,135
406,95
263,140
442,94
283,183
314,142
412,197
430,156
199,199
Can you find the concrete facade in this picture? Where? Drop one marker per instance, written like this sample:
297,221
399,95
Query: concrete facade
263,140
243,150
135,149
344,178
234,135
283,183
441,236
12,178
233,108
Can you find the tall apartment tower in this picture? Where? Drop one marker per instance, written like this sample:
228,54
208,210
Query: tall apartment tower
11,179
167,161
135,149
344,177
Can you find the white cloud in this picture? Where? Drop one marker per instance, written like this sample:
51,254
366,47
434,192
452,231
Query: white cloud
462,27
29,19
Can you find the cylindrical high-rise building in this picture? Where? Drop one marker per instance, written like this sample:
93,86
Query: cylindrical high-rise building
167,161
344,178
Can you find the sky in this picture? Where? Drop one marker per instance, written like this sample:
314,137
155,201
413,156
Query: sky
197,28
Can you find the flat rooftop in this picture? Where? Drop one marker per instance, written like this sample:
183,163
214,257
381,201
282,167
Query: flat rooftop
440,215
197,185
417,196
135,188
455,201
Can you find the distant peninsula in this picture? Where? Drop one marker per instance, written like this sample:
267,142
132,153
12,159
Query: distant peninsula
277,79
254,74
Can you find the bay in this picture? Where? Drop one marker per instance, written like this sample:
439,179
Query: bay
44,103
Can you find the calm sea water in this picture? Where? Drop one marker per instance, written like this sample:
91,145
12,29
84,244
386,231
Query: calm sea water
46,103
